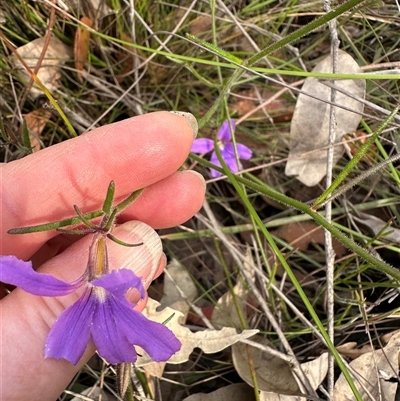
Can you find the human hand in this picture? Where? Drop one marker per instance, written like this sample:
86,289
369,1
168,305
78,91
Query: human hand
140,152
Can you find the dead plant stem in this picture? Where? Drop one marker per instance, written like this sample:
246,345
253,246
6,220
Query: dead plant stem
330,254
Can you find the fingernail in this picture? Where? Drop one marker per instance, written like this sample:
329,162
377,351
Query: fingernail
198,175
190,118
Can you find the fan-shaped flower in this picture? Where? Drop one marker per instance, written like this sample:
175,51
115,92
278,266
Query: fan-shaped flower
227,148
102,314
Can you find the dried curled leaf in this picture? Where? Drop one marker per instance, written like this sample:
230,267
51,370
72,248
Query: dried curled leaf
210,341
81,45
315,371
233,303
272,373
36,121
309,131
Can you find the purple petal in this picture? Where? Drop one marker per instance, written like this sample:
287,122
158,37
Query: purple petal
118,282
214,160
231,161
19,273
202,145
224,133
156,339
243,151
109,339
70,334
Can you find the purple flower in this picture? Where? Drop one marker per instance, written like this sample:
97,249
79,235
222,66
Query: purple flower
102,314
204,145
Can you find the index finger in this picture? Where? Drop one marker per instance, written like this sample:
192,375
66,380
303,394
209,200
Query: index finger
44,186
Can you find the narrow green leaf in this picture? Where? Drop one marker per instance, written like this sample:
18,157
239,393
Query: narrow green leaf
118,241
215,49
304,30
84,220
54,225
25,137
130,199
109,198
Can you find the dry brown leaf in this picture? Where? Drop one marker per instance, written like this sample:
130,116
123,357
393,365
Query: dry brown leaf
301,235
233,392
49,72
249,100
153,372
36,121
210,341
374,371
175,276
81,45
225,313
200,25
351,351
309,130
315,371
386,337
273,374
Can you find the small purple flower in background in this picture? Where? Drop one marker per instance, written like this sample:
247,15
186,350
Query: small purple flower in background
204,145
102,314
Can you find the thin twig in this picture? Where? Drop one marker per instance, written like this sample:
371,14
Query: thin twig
330,253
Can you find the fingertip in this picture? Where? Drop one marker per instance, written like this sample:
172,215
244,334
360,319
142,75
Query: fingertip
190,118
161,266
169,202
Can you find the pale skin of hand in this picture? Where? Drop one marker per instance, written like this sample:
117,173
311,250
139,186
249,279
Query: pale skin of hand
143,151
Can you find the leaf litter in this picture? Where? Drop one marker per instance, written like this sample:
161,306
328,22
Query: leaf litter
209,340
376,374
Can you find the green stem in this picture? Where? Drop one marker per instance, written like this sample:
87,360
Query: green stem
83,217
290,202
55,225
357,157
306,29
235,180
